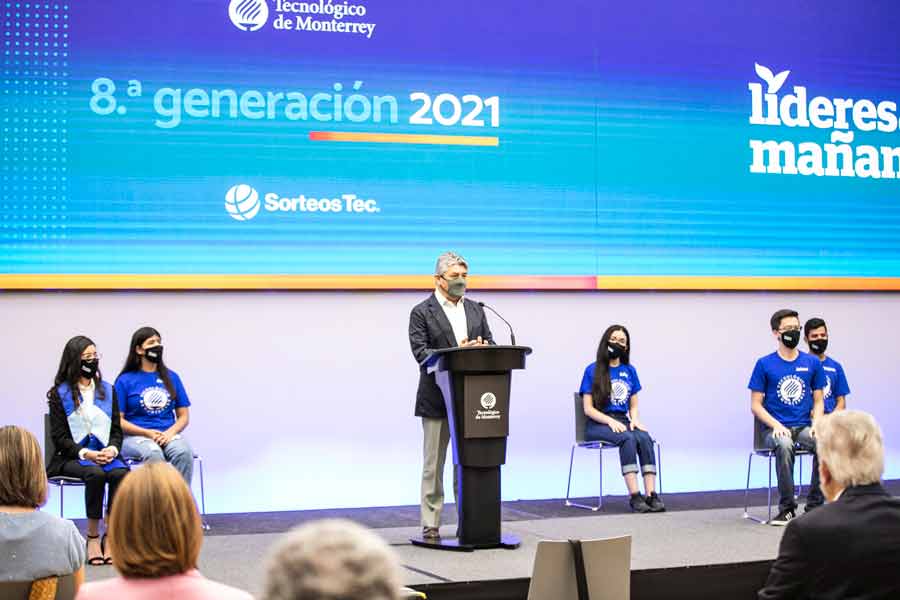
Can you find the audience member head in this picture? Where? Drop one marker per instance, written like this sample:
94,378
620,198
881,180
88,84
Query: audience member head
850,450
332,560
23,481
154,528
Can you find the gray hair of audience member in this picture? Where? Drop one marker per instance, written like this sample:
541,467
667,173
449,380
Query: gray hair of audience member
849,444
447,260
333,559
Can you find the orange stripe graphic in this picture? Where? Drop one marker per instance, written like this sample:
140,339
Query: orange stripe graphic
403,138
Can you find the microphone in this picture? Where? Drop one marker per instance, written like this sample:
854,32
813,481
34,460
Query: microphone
512,336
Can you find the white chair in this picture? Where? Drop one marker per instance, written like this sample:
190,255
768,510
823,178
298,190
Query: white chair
580,425
603,571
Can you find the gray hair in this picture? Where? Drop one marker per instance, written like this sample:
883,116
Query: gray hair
447,260
849,443
330,560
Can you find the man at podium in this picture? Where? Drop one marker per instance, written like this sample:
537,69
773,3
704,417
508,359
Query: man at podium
445,319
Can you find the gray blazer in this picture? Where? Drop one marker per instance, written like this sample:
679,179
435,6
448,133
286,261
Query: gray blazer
429,330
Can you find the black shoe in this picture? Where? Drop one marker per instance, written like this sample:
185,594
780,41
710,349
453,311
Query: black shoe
638,504
96,559
783,518
655,502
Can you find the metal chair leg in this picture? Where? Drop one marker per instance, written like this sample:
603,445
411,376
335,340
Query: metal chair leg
747,514
600,486
569,484
659,467
800,483
61,499
747,489
203,522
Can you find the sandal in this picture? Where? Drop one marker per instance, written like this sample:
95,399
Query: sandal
107,560
94,561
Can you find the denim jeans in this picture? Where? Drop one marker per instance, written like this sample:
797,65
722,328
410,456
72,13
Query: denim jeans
784,448
632,444
177,452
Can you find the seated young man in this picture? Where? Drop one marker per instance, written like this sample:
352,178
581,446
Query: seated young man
836,387
786,396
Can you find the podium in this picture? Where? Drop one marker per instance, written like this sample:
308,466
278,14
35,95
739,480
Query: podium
475,382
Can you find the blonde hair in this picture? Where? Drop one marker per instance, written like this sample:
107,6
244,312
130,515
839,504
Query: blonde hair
332,560
154,527
23,480
849,443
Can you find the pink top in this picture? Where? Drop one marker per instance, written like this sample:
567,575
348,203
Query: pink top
187,586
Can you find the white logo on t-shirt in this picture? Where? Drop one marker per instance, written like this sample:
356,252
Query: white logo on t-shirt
827,391
620,391
791,389
155,400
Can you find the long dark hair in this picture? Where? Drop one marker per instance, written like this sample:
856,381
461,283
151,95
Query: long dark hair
601,388
133,362
69,371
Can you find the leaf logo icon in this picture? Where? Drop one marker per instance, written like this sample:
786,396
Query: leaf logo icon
774,81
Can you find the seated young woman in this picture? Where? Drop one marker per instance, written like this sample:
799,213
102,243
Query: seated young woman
609,390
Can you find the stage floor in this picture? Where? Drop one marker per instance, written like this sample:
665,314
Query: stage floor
699,529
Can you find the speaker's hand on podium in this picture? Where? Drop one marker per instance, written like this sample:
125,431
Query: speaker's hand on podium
476,342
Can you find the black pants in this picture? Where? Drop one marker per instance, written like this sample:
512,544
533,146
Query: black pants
95,478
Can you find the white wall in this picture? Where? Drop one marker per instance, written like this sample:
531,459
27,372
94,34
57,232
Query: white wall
305,399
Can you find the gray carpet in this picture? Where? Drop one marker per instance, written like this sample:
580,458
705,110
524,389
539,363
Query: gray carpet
671,539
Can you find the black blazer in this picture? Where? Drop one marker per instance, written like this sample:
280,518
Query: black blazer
849,549
429,330
66,448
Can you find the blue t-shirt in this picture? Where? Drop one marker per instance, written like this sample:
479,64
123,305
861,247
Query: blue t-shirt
145,402
788,386
623,381
836,384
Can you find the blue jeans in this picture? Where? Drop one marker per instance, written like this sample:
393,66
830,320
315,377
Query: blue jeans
632,444
784,466
177,452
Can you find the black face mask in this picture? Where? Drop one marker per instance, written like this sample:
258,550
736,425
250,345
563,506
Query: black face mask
89,368
614,351
154,354
790,338
818,346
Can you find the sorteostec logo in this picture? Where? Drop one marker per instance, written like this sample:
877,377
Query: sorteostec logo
248,15
242,202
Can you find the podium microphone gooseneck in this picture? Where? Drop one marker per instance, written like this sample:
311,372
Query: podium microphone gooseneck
512,336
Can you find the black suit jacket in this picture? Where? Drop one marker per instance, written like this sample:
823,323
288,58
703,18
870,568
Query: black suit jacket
66,448
429,330
845,550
